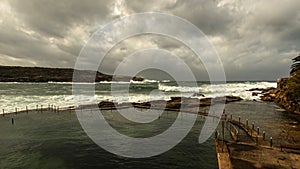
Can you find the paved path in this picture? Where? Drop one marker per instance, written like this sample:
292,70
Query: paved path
247,153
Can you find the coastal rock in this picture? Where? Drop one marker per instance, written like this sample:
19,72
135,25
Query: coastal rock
268,94
198,95
233,99
255,89
175,104
286,95
268,90
106,104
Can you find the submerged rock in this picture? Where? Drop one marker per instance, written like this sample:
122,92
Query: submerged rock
198,95
255,89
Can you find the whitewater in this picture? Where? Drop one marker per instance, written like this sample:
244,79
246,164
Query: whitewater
20,95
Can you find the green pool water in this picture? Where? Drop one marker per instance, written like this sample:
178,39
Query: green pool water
51,140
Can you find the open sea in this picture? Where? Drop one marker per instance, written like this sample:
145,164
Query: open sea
20,95
48,140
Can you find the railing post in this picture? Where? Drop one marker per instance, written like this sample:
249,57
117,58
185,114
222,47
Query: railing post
271,142
252,129
256,140
264,135
257,130
239,120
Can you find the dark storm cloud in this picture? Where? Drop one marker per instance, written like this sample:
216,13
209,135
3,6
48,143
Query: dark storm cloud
48,33
53,18
255,39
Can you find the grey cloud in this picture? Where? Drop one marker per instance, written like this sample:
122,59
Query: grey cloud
255,39
206,15
53,18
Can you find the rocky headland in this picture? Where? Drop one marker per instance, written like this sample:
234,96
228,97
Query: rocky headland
40,74
287,93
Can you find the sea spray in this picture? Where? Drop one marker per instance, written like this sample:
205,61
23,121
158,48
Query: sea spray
60,93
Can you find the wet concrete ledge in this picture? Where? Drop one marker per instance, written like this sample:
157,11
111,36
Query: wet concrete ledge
222,155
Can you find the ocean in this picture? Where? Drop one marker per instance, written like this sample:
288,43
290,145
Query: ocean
56,140
20,95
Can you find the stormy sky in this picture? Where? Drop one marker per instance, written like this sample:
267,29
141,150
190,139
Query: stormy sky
255,39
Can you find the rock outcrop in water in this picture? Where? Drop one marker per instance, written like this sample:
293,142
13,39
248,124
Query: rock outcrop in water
39,74
175,104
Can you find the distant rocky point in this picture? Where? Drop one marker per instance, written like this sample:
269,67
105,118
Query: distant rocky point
40,74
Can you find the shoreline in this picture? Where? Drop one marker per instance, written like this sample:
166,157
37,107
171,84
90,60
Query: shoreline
45,74
242,154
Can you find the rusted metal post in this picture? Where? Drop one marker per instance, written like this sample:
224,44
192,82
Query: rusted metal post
223,134
12,120
239,120
257,130
256,140
271,142
264,135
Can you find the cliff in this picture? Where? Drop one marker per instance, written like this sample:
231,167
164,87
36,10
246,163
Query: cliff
287,93
39,74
